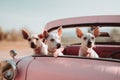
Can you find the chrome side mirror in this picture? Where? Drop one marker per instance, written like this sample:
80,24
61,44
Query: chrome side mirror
13,53
8,68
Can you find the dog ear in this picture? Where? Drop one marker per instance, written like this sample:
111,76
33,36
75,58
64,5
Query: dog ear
45,34
79,32
25,34
60,31
96,32
40,36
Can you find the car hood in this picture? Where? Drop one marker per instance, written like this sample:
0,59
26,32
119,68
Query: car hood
66,68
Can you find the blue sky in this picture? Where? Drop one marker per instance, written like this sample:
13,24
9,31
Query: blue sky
35,14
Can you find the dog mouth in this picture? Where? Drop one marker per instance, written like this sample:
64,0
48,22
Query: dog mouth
89,46
52,50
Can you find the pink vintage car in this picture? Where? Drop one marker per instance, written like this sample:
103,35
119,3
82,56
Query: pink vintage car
71,66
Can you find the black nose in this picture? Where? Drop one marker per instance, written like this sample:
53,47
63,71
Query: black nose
58,45
89,43
33,45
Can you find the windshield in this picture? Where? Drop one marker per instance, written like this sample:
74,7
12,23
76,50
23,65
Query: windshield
112,35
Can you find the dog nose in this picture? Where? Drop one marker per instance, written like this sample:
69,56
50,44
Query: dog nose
89,42
58,45
33,45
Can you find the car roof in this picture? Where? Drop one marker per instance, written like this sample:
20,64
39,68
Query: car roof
103,20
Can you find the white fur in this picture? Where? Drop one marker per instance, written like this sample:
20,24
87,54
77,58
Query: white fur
40,48
53,40
87,44
52,46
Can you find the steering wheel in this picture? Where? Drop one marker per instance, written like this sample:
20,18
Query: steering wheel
115,55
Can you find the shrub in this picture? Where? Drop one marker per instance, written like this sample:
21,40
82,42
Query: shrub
11,35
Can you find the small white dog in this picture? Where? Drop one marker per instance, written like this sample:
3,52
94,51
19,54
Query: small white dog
35,42
87,43
53,40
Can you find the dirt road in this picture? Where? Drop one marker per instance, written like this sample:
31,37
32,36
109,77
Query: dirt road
22,47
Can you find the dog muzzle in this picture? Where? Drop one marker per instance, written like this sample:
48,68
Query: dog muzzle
58,45
33,45
89,44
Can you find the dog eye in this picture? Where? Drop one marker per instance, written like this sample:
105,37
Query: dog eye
37,39
52,40
85,38
29,39
92,38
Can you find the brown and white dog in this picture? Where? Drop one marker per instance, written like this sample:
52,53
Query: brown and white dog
53,40
35,42
87,43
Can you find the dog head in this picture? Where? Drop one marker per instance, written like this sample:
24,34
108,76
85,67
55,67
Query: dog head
33,39
87,39
53,40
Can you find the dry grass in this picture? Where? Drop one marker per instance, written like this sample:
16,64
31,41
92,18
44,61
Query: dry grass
11,35
13,40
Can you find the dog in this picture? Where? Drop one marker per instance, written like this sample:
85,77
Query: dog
53,40
88,41
35,42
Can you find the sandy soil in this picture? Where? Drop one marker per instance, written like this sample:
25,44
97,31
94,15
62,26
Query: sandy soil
22,48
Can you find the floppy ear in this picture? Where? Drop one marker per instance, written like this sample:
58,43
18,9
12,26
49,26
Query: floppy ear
45,34
40,36
25,34
60,31
96,32
79,32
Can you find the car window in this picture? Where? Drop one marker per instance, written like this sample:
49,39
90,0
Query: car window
69,34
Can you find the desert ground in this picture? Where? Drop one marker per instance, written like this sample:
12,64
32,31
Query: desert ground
22,48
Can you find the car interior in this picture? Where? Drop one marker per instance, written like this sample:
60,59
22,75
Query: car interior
106,46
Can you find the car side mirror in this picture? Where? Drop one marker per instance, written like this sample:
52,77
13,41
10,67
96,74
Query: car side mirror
13,53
